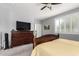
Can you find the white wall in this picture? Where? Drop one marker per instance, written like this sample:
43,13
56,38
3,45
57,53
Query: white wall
50,22
0,40
62,35
73,14
4,21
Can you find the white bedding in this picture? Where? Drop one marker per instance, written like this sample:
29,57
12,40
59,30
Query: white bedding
24,50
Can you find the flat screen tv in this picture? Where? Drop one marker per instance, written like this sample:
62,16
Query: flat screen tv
23,26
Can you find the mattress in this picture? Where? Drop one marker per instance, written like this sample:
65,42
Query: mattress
58,47
23,50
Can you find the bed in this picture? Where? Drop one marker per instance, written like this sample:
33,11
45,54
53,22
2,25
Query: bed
58,47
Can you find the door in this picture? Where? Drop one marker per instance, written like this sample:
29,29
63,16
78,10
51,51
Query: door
38,30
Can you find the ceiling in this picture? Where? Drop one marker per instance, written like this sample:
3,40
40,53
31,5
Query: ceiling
32,10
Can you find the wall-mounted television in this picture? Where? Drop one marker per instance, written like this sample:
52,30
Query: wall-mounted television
23,26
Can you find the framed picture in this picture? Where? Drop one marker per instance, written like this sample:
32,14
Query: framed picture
46,27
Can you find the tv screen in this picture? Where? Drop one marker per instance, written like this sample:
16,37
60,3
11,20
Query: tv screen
23,26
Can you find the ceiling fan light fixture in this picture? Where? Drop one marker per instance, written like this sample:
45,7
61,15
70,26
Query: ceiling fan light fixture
49,5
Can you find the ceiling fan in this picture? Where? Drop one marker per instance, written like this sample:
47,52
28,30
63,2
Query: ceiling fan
49,5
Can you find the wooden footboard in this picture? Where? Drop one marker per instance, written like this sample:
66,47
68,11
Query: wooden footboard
45,38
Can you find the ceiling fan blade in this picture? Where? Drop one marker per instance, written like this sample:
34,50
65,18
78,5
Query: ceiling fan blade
55,3
44,3
43,7
49,5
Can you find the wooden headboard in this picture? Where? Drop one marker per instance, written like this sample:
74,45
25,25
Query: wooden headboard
19,38
45,38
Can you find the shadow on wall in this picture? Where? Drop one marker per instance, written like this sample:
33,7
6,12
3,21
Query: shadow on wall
70,36
0,39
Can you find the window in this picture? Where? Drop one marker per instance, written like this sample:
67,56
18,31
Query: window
67,24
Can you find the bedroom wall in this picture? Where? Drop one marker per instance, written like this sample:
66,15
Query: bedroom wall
0,40
51,22
70,36
4,21
10,13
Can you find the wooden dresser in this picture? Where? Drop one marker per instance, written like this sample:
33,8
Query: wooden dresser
19,38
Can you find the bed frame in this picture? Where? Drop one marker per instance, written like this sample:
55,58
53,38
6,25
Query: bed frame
45,38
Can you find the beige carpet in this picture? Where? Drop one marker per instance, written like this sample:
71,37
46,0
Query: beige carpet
24,50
